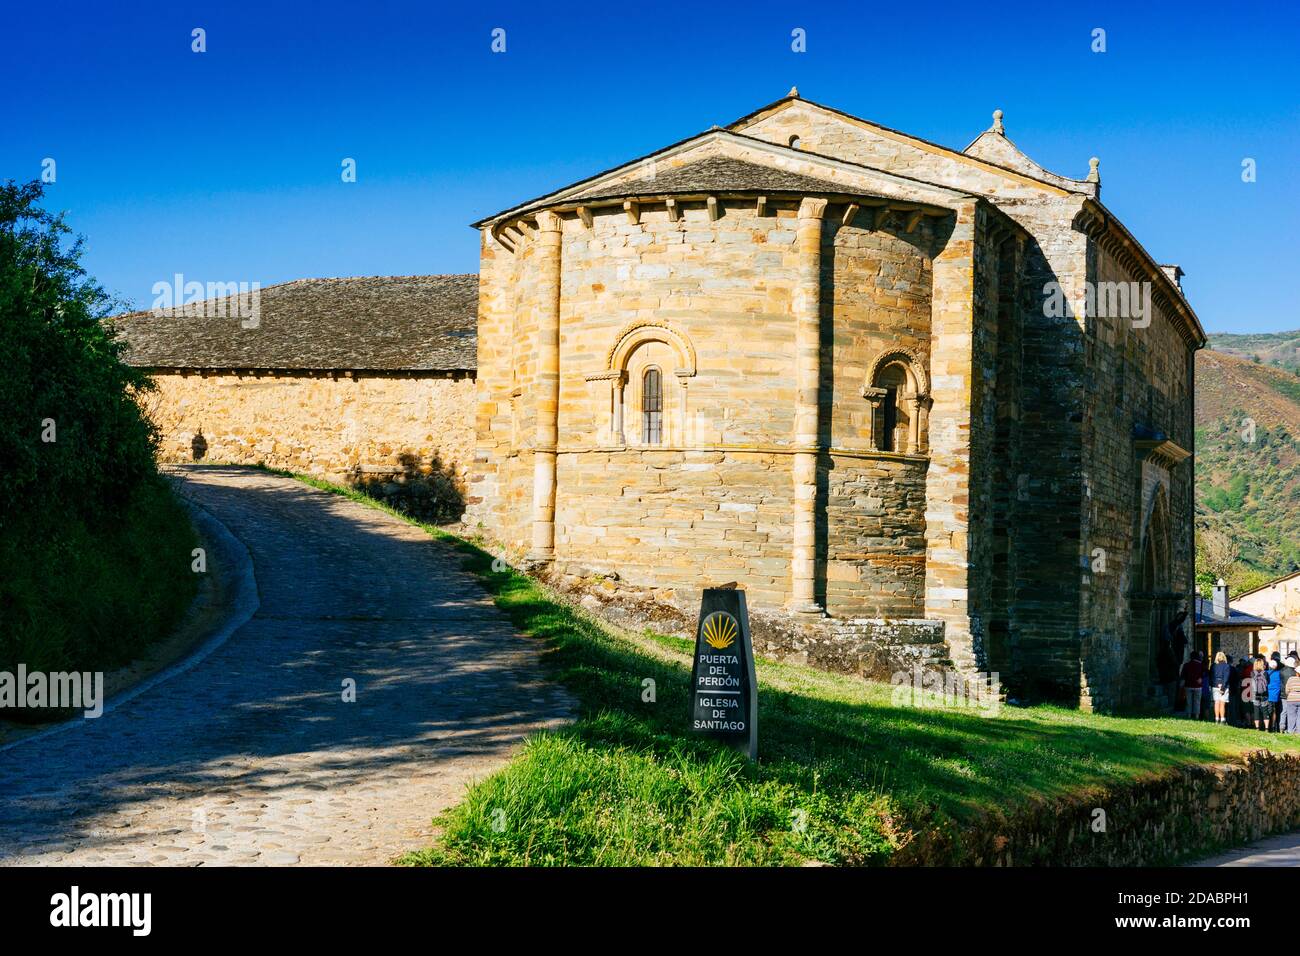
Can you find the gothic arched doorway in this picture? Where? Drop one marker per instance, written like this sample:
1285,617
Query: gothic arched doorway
1153,602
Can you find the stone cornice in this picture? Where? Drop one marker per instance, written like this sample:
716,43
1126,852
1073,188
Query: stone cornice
885,182
1102,227
1161,451
746,449
285,373
587,208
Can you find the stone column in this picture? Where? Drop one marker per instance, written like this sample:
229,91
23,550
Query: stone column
874,397
922,421
547,263
913,423
619,382
806,306
947,509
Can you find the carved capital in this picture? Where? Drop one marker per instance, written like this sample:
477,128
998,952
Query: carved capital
548,221
812,208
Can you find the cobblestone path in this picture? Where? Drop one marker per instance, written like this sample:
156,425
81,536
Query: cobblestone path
252,756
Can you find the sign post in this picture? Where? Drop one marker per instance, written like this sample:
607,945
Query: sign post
724,691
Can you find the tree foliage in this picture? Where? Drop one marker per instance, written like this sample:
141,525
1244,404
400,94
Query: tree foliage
94,548
63,375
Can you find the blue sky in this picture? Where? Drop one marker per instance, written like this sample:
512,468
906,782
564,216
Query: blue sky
225,165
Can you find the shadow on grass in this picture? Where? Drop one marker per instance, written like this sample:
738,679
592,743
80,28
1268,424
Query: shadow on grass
844,774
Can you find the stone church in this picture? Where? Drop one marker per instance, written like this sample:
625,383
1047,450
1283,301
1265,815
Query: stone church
907,396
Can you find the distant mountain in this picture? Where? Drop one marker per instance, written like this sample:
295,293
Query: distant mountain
1248,451
1268,348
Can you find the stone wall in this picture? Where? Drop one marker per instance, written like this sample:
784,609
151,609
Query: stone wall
1030,364
679,520
1179,815
875,648
714,501
334,426
1139,371
875,548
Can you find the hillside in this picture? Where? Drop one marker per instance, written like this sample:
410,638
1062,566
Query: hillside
1248,453
1269,348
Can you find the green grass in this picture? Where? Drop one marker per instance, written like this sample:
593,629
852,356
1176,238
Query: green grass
845,775
90,596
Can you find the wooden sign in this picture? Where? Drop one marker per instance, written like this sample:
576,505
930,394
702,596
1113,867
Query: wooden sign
724,691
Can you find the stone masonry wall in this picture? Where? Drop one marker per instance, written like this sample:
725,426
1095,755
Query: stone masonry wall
875,515
1035,543
321,424
1138,373
1179,815
712,502
679,520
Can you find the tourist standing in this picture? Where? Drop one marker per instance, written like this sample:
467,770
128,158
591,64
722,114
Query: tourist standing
1274,694
1286,670
1263,711
1291,707
1220,682
1193,673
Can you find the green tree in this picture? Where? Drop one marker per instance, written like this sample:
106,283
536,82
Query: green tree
94,548
72,434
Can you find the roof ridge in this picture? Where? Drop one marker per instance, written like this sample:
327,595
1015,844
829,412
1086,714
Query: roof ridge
911,136
422,275
724,134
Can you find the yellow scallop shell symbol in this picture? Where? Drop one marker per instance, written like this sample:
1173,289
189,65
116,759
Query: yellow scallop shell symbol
720,630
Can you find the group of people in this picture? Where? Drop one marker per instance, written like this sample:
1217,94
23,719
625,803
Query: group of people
1260,692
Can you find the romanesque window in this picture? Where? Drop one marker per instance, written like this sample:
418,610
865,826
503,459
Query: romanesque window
898,392
637,382
889,419
652,407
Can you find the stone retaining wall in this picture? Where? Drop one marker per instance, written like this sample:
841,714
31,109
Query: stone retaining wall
1181,815
875,648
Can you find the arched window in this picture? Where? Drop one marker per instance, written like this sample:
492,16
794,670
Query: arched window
889,418
635,373
652,407
897,393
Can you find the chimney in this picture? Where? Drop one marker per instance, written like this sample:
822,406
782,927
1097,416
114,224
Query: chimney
1175,273
1221,599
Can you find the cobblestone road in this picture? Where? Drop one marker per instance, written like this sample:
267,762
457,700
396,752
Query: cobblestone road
251,756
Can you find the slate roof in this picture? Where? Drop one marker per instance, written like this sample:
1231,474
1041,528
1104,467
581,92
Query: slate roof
383,323
1206,618
712,174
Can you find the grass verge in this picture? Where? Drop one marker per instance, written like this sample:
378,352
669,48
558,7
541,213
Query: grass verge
844,776
85,596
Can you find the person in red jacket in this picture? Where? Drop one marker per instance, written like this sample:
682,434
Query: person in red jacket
1192,677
